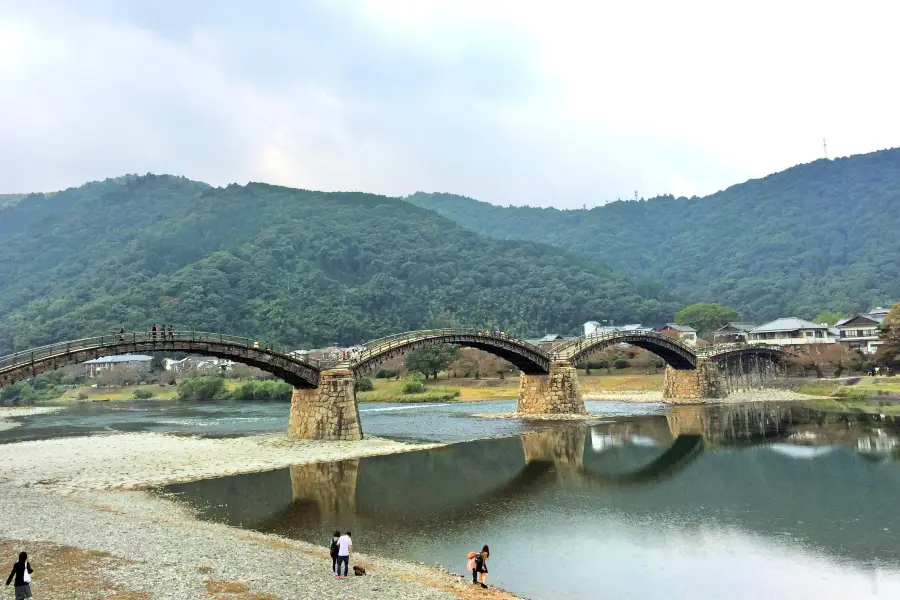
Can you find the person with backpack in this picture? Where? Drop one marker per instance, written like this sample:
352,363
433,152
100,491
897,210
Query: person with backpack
22,572
478,565
334,551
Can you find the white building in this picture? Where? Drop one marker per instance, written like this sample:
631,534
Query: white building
861,331
686,334
596,328
791,331
98,365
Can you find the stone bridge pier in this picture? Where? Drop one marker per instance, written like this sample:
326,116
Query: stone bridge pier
691,385
329,412
564,447
555,393
331,487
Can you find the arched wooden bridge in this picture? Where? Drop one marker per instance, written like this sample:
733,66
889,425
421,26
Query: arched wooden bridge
303,372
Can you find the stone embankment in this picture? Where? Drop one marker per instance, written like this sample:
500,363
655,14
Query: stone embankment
69,503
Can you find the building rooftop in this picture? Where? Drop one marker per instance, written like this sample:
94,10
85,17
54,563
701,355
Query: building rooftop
787,324
740,326
121,358
681,328
876,317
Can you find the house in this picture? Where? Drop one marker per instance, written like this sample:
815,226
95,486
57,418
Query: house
791,331
595,328
860,332
550,340
122,361
732,333
200,363
686,334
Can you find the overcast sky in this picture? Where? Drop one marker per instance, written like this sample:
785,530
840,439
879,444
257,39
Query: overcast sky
507,101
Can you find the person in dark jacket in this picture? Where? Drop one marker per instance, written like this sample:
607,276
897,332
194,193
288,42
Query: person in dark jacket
334,550
22,572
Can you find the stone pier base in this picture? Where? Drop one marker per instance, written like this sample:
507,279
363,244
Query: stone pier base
556,393
692,385
329,412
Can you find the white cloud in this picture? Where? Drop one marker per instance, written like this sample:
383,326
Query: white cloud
510,102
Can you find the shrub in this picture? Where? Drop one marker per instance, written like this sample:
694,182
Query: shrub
267,390
385,374
82,395
202,389
621,363
143,394
365,384
413,386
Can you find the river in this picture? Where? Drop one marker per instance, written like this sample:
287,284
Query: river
744,501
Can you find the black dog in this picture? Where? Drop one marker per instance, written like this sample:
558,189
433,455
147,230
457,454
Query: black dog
358,570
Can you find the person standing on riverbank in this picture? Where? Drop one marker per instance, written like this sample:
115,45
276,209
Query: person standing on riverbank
22,572
343,556
334,551
481,565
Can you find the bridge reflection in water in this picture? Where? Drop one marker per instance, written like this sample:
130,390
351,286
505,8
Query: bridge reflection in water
696,466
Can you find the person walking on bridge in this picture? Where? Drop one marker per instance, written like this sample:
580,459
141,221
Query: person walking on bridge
21,571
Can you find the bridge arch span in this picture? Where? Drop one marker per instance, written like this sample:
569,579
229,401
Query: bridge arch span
526,357
677,354
728,353
297,371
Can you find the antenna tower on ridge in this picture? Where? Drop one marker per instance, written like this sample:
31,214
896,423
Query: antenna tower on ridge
824,148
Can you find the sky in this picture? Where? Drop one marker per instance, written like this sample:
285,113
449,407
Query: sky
508,101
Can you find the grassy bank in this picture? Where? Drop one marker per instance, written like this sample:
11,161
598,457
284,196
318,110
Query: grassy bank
869,395
392,391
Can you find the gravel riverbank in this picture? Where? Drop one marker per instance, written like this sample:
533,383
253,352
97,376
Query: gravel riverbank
72,504
6,413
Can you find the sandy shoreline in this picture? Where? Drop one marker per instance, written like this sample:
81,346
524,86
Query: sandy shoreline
78,507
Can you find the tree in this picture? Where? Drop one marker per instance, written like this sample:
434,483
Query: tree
431,359
157,364
706,318
829,317
888,354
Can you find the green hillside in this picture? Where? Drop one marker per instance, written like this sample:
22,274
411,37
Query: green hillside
298,267
819,236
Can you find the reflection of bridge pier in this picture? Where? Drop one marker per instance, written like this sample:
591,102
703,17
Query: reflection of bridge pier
729,424
563,447
331,487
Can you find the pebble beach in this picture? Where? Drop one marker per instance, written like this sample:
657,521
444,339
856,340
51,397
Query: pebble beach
82,509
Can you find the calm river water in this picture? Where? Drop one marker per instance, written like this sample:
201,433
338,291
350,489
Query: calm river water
752,501
749,501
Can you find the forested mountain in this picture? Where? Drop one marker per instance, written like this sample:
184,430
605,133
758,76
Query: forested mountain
292,266
819,236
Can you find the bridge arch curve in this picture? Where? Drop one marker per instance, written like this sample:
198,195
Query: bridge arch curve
677,354
298,371
526,357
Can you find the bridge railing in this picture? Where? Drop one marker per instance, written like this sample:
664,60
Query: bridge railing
575,346
386,344
732,347
119,339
